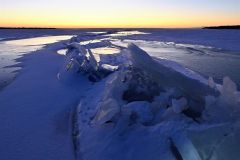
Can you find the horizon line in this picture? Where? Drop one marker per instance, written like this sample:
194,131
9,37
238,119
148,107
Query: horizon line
22,27
100,27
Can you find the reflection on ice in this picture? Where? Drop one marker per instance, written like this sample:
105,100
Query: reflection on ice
90,41
126,33
38,40
62,52
97,52
97,32
105,50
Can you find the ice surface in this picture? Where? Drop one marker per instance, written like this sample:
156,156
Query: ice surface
214,38
36,110
11,50
122,112
147,108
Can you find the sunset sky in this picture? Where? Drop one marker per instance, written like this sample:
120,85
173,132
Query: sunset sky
118,13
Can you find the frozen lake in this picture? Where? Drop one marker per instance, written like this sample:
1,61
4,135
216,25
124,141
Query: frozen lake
55,104
213,53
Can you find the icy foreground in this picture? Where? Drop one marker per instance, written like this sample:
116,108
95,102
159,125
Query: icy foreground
141,108
110,102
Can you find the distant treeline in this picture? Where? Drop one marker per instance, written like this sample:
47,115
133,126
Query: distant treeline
24,28
223,27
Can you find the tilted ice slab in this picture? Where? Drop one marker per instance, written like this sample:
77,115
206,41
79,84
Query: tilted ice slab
169,77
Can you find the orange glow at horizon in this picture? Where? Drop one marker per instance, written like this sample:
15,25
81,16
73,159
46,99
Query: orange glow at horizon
119,22
143,15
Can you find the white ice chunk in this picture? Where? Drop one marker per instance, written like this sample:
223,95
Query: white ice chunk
229,94
225,107
211,83
115,87
229,87
111,100
108,110
109,67
92,60
185,147
193,88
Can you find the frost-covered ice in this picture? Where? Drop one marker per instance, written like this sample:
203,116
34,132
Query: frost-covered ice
92,105
36,110
148,109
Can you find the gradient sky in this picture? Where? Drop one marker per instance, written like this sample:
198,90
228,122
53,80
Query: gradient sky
118,13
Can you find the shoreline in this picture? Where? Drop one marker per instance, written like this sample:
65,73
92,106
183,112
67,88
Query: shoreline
233,27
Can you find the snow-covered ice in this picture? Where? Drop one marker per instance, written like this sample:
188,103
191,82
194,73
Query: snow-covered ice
75,100
147,98
12,49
